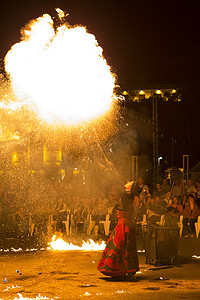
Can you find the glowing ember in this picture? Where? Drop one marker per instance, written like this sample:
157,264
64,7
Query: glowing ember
26,298
59,244
11,287
61,73
195,256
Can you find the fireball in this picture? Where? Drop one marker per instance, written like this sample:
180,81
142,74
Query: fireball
61,73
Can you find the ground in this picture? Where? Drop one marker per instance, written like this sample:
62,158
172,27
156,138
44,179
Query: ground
73,275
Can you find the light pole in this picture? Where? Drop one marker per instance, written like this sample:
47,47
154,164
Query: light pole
155,137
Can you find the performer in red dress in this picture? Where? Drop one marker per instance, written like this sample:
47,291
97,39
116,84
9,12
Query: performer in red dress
119,259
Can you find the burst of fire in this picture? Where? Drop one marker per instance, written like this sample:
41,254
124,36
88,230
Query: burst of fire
59,244
61,73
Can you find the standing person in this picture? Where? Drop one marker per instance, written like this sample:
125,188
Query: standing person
165,186
177,190
119,259
190,188
197,193
144,189
158,192
185,201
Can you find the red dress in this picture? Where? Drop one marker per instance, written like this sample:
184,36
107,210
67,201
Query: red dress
120,255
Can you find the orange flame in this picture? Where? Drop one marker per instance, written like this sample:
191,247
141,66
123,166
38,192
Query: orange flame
59,244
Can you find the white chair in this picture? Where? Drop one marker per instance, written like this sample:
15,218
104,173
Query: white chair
67,226
142,224
197,227
106,224
162,220
51,224
49,227
180,225
90,225
31,225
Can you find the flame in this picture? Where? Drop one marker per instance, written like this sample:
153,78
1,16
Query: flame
195,256
59,244
60,13
61,73
26,298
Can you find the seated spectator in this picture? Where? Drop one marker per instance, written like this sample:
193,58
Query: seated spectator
60,214
75,204
185,201
167,198
77,222
9,209
190,215
165,186
175,204
93,202
99,214
157,209
158,192
86,211
148,203
114,197
144,189
138,209
174,210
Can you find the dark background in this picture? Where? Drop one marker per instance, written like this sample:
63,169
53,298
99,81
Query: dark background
145,42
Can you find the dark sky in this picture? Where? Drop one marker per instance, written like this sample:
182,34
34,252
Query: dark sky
142,40
146,42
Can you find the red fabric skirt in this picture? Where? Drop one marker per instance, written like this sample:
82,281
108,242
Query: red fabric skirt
120,255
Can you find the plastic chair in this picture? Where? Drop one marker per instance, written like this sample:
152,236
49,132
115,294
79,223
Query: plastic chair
180,225
106,224
162,220
197,227
66,222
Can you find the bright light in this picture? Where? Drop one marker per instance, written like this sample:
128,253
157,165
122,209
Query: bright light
158,92
125,93
14,158
141,92
62,74
174,91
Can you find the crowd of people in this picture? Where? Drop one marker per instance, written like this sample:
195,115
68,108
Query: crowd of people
90,214
169,200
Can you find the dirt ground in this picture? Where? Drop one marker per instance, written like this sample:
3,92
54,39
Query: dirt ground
48,274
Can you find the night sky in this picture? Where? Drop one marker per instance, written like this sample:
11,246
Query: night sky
142,40
145,42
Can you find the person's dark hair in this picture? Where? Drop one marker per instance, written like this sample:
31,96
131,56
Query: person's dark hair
135,189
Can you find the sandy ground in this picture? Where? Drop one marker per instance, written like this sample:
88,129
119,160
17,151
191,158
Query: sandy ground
73,275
